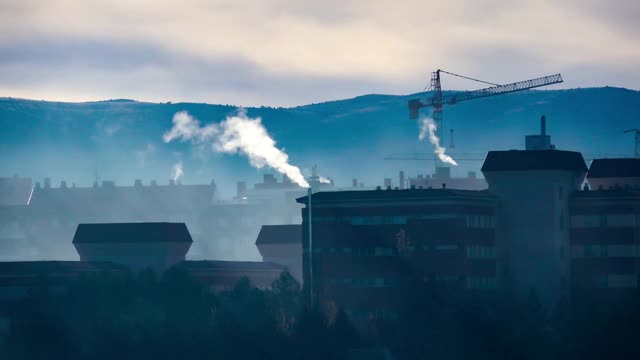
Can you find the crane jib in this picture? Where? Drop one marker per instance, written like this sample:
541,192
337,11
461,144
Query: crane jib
416,104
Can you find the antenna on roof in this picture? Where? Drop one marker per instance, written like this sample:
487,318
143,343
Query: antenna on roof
636,153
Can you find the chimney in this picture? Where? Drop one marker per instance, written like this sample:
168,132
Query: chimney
47,183
543,125
269,179
354,183
401,180
241,189
444,185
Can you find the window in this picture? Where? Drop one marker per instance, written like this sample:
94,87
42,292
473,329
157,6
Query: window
446,247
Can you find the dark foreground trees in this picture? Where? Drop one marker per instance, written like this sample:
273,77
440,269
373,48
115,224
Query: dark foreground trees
121,316
174,317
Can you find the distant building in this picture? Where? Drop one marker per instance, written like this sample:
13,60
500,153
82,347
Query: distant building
282,244
607,174
370,245
15,191
54,213
138,246
443,178
542,141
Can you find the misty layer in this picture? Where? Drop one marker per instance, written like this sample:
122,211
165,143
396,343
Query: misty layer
235,134
427,125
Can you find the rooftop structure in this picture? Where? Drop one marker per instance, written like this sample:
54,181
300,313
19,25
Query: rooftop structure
614,173
282,244
136,245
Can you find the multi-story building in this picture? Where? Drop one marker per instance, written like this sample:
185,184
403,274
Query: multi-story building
605,228
367,246
533,187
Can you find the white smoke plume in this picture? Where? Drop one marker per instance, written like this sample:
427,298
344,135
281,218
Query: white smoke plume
237,133
324,180
428,126
177,171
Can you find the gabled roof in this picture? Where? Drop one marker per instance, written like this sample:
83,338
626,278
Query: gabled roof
528,160
280,234
132,233
619,168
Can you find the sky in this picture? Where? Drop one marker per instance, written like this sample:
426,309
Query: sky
292,52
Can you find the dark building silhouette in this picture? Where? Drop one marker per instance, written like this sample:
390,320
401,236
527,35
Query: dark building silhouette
19,278
533,232
282,244
369,245
138,246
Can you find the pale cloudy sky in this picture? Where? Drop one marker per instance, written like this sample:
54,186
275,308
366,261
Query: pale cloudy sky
290,52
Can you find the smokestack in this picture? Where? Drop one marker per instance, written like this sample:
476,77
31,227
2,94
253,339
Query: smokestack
401,180
354,183
543,125
241,189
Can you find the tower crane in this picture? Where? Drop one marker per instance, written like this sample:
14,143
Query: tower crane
438,100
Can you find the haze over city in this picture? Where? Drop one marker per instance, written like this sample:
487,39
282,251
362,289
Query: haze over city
348,179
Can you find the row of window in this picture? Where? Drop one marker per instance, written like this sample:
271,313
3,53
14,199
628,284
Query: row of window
471,221
481,252
472,282
597,251
603,220
616,281
472,251
378,314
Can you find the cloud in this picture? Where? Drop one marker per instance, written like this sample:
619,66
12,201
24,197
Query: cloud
286,52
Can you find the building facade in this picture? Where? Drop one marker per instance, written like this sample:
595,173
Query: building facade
368,247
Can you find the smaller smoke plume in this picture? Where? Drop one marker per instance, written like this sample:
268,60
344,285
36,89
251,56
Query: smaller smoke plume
236,134
177,171
324,180
429,127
